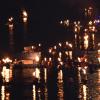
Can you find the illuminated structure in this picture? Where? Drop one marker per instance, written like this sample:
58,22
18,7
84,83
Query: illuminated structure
31,55
85,34
84,43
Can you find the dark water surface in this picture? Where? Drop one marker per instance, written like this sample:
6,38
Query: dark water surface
52,84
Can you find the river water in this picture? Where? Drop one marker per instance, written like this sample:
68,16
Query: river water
49,84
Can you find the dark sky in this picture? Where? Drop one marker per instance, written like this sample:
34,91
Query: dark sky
44,16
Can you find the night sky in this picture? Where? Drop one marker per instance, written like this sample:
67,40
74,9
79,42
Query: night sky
43,18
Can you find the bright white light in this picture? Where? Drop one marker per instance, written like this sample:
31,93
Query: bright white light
60,44
34,92
84,71
6,74
61,22
55,47
79,59
7,60
37,58
59,59
10,19
50,50
37,73
66,42
99,59
39,44
70,45
25,15
50,59
90,22
66,52
60,54
45,59
99,51
86,41
3,93
85,92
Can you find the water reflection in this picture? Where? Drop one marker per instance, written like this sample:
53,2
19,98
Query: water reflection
45,74
6,73
83,86
34,92
60,93
94,85
4,94
52,84
84,92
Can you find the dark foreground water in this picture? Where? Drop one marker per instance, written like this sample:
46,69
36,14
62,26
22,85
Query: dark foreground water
51,84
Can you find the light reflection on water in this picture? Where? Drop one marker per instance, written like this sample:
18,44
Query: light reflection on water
89,86
6,73
34,92
4,94
60,93
83,88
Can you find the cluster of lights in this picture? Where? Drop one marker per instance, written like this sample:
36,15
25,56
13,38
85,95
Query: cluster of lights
65,22
35,47
10,22
7,60
88,11
25,16
61,51
5,74
77,26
